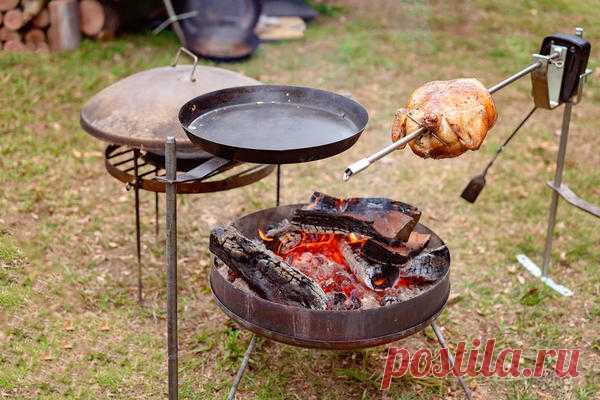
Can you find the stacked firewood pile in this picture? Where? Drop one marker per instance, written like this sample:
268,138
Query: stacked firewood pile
42,25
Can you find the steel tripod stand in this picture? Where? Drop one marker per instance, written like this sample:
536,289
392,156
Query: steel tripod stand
434,326
562,190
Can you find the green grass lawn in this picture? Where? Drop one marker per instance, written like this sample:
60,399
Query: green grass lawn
70,326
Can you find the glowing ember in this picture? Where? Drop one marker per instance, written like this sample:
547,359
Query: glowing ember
319,256
263,236
326,245
354,238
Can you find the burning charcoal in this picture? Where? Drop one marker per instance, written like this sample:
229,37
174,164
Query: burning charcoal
338,301
429,266
334,300
395,254
386,220
369,300
387,300
353,303
373,275
232,275
265,272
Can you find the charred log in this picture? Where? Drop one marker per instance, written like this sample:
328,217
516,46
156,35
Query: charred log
265,272
375,276
395,254
281,228
429,266
383,219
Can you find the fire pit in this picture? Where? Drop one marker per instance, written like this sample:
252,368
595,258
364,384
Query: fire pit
336,274
367,325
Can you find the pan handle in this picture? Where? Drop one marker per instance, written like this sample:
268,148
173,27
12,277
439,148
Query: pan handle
192,55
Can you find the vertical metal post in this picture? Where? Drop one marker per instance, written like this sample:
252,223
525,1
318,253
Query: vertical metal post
443,345
171,264
138,240
277,198
156,214
560,162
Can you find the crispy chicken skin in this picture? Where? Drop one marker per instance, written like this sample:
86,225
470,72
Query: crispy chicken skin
457,113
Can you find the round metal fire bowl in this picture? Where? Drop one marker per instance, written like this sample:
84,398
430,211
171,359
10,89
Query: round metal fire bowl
119,162
335,330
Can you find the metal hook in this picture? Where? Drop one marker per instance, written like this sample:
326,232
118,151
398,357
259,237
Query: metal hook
192,55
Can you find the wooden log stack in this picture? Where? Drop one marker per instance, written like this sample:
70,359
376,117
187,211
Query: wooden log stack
54,25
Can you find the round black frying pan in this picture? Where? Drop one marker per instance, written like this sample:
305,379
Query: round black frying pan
222,30
273,124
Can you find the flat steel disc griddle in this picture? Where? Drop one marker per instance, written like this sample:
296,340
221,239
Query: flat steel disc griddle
273,124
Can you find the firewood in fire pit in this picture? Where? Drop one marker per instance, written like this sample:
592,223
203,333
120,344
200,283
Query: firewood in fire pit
375,276
265,272
428,266
395,254
386,220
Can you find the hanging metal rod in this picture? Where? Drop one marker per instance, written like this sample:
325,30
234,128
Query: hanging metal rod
365,163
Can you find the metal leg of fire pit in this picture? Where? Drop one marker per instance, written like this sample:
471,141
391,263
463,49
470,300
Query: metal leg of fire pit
252,345
242,369
525,261
442,341
138,240
171,265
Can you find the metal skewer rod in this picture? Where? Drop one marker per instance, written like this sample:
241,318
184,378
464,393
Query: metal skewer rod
364,163
515,77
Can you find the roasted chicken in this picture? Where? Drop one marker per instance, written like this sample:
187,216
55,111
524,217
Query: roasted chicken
457,115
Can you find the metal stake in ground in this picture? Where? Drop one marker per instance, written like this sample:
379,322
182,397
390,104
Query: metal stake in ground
136,189
171,264
560,162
